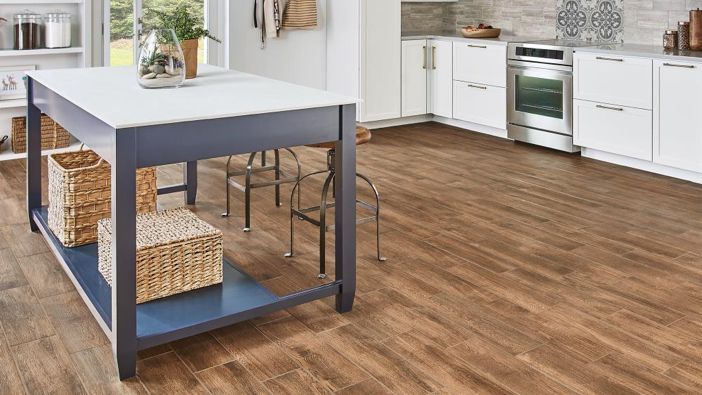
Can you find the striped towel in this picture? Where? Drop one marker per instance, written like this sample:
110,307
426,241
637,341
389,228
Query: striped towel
300,14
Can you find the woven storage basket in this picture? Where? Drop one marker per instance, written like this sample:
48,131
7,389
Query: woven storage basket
52,134
176,252
80,193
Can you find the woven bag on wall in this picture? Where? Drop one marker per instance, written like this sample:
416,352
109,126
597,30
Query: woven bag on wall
300,14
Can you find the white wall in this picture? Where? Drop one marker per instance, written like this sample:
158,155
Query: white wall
298,56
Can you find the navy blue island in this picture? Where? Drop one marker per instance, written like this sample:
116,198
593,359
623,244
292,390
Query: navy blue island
220,113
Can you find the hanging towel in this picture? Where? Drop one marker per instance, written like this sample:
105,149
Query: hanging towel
300,14
272,11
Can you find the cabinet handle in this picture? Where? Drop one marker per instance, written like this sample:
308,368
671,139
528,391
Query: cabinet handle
424,62
476,86
609,59
609,108
685,66
477,46
433,57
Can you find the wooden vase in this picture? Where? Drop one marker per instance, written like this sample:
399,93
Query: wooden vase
190,55
696,30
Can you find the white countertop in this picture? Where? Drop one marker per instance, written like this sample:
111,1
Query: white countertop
648,51
113,95
455,36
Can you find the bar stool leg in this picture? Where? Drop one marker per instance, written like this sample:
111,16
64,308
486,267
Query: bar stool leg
247,191
323,226
377,215
299,174
277,177
229,161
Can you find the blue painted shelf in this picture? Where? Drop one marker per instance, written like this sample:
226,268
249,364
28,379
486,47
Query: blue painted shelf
238,298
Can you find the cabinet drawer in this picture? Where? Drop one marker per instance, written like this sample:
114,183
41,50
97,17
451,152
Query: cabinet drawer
613,79
481,104
619,130
480,63
677,129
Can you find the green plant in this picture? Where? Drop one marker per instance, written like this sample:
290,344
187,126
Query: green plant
186,25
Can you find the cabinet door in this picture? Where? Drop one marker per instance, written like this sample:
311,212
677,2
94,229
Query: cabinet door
380,60
480,63
481,104
619,130
414,77
610,78
678,130
441,78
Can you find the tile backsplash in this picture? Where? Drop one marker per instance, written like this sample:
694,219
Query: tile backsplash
633,21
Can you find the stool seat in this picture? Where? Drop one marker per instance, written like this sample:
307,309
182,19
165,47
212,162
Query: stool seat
363,135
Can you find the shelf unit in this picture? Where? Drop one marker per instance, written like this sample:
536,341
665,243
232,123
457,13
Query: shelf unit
7,154
79,55
23,2
42,51
13,103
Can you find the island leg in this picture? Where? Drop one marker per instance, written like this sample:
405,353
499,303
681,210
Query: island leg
124,325
33,156
346,208
190,181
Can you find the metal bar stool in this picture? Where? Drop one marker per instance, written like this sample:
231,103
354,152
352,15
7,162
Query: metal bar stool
363,136
280,178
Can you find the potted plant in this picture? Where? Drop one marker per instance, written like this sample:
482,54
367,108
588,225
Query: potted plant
189,30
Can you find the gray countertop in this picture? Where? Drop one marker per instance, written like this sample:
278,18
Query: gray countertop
648,51
455,36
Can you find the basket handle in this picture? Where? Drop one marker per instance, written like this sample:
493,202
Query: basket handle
87,167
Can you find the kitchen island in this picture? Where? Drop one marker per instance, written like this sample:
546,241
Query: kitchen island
220,113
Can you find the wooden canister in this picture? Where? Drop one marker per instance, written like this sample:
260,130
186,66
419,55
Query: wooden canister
696,30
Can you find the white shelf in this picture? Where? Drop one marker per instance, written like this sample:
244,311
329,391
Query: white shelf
7,154
6,2
43,51
14,103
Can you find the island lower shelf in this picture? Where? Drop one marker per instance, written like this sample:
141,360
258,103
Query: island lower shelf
238,298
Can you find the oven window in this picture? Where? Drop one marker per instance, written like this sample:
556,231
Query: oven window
539,96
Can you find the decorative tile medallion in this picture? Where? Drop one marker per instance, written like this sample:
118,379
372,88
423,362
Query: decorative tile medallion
596,20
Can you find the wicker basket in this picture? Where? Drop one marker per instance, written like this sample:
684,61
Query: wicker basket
176,252
52,134
79,195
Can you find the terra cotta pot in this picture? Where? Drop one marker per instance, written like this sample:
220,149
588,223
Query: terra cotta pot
190,55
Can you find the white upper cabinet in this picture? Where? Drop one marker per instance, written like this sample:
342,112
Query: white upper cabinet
480,63
678,106
441,78
414,77
613,79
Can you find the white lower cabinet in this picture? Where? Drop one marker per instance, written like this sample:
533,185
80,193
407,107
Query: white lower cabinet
441,78
678,104
481,104
414,77
615,129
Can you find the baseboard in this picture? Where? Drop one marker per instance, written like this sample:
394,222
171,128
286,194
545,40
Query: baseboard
642,165
388,123
472,126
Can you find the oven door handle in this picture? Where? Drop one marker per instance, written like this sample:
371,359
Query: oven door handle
539,72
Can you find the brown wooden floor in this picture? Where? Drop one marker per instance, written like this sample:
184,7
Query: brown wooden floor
511,269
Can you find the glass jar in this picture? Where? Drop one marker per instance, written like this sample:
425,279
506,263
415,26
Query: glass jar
27,30
670,39
57,30
161,63
684,35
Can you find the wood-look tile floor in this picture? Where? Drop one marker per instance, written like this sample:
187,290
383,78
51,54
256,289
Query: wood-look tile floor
511,269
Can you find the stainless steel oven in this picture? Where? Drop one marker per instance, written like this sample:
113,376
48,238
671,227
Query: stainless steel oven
540,93
540,96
